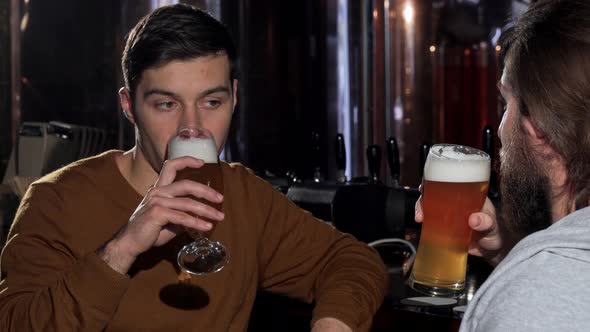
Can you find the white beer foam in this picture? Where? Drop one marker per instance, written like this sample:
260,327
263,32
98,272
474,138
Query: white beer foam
449,165
201,148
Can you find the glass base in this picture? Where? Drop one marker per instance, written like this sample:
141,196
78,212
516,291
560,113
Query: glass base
451,291
203,257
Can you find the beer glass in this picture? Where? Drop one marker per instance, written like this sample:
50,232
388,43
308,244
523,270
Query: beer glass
202,256
454,186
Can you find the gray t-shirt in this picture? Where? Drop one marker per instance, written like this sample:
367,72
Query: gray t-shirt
542,285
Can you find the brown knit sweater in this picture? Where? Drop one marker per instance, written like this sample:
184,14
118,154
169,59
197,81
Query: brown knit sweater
52,280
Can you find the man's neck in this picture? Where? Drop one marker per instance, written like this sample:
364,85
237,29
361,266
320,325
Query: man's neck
136,170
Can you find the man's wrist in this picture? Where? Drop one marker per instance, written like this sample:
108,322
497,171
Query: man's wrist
329,324
115,256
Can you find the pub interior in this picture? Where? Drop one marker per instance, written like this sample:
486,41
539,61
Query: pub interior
338,104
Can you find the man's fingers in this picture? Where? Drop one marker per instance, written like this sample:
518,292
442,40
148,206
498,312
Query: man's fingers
475,251
168,232
173,229
418,215
188,205
486,234
185,188
200,209
195,189
168,216
170,167
482,223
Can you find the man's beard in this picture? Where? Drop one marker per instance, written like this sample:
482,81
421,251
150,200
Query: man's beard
525,189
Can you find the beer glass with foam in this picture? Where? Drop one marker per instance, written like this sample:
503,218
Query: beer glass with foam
202,256
455,185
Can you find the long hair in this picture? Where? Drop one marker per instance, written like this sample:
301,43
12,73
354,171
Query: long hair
548,68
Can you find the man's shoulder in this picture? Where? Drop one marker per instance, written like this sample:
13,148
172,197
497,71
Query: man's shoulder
237,172
542,271
238,169
79,173
531,296
245,182
548,264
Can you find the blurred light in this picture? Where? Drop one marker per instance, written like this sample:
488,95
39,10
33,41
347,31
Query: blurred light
24,22
375,14
496,37
159,3
386,4
398,112
498,48
467,52
408,13
432,48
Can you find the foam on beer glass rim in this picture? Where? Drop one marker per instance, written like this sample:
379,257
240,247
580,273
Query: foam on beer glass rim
456,163
201,148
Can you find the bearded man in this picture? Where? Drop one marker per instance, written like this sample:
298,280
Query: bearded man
543,284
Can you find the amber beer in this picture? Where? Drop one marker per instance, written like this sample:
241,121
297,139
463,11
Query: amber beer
455,185
209,174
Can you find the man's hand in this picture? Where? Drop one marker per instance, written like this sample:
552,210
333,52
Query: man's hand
164,211
329,324
487,241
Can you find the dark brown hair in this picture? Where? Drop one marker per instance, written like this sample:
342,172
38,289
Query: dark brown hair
177,32
548,69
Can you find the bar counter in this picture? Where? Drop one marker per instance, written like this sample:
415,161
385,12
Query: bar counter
397,313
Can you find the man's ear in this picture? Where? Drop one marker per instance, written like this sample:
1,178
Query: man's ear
552,161
125,99
537,139
235,94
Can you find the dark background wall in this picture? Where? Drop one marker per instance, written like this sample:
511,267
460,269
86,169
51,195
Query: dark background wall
5,84
283,94
70,67
69,62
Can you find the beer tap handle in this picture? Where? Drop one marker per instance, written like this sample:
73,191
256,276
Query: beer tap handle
424,149
488,147
340,159
315,146
393,160
374,158
488,141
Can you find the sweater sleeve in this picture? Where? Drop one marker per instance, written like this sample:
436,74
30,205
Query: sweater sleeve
46,284
306,258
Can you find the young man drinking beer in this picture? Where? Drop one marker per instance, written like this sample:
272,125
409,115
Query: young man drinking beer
93,246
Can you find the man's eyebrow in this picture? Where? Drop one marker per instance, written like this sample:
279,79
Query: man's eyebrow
158,92
219,88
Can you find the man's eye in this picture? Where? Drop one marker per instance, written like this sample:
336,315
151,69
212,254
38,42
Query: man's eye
211,103
167,105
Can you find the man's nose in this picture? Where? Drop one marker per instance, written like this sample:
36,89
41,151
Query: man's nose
191,118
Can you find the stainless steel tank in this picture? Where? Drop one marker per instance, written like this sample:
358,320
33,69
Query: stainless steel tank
420,71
